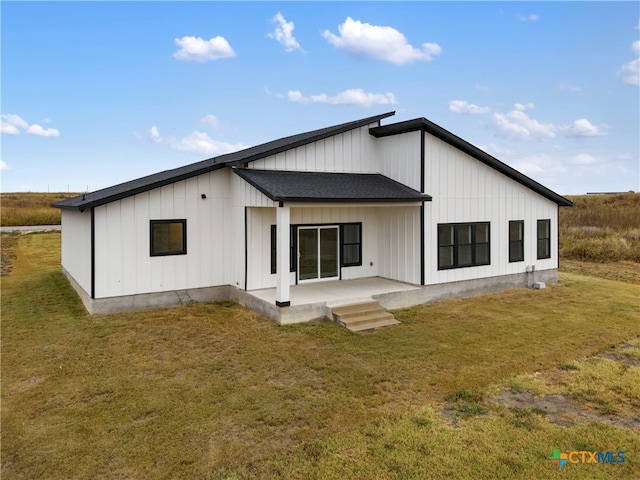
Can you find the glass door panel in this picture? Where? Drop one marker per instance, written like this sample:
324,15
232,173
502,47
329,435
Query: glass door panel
308,248
328,252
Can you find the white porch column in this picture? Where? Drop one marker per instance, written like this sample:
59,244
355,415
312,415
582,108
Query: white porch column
283,222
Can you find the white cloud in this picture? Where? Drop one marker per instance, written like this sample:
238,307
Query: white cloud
154,134
567,87
349,97
11,124
582,159
517,123
521,108
42,132
630,72
200,142
583,128
532,17
196,49
379,42
210,120
196,142
283,33
462,106
3,165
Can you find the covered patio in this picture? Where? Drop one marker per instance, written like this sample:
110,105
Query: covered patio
315,300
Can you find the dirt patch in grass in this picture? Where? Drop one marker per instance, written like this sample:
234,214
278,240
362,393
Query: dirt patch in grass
8,242
560,410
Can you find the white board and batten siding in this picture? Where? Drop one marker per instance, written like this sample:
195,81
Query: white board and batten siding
351,151
466,190
76,246
123,264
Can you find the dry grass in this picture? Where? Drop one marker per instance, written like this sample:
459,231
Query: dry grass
30,208
601,228
216,391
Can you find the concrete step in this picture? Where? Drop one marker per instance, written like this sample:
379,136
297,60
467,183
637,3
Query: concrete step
357,309
373,325
362,316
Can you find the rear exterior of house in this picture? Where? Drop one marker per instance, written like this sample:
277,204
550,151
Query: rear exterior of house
409,202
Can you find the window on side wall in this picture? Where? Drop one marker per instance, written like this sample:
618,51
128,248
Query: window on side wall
351,244
544,239
463,245
516,241
168,237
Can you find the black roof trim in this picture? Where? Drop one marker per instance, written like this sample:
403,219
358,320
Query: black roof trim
251,154
296,186
437,131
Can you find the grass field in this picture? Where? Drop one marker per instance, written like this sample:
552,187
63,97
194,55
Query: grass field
601,228
215,391
30,208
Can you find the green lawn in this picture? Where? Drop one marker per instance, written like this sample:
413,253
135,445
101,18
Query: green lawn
217,391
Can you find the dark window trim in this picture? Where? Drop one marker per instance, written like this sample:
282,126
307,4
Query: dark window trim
548,239
343,244
293,230
512,243
293,255
183,221
473,243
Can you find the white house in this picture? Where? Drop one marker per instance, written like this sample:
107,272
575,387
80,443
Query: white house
408,202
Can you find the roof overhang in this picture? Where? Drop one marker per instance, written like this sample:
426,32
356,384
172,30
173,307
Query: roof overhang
329,187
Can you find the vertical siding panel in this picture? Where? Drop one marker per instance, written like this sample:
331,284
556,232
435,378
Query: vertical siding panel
143,265
321,161
128,242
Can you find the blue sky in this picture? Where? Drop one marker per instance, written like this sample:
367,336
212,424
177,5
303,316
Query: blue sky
95,94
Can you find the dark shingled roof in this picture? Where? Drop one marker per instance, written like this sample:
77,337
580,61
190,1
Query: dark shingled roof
127,189
437,131
286,186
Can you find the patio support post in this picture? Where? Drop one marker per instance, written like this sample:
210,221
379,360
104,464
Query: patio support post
283,222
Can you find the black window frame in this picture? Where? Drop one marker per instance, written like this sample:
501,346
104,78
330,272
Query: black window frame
292,248
513,243
456,245
546,239
153,223
343,244
293,256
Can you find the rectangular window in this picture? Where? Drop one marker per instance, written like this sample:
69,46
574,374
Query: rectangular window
516,241
351,244
292,249
168,237
463,245
544,239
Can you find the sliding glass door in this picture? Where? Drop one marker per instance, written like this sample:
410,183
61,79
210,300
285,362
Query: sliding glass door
318,253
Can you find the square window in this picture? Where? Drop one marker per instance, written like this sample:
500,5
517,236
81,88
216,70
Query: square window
168,237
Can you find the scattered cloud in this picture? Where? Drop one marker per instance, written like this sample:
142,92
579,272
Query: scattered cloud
540,164
518,124
355,96
464,107
584,128
196,49
567,87
523,107
154,134
630,72
532,17
4,166
496,150
11,124
379,42
200,142
197,142
582,159
210,120
283,33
